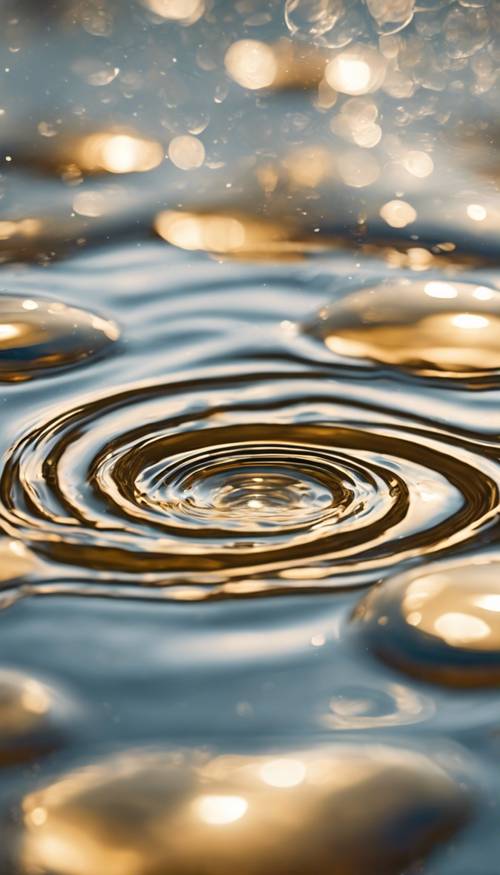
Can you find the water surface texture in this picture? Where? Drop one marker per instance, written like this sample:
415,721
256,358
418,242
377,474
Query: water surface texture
250,452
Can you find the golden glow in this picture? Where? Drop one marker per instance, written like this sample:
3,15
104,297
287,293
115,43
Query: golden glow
236,235
461,606
431,327
470,321
476,212
483,293
118,153
24,703
356,70
186,152
184,11
398,214
252,64
147,812
283,773
20,227
221,810
461,629
8,332
436,289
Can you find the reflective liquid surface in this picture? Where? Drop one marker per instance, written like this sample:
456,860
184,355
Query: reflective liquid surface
250,454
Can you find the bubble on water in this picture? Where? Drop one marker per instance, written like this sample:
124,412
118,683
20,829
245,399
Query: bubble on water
359,69
398,214
252,64
185,12
440,622
186,152
145,813
431,327
357,122
38,335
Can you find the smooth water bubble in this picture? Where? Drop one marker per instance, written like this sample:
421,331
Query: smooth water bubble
186,152
360,69
435,328
38,335
440,622
252,64
31,717
148,813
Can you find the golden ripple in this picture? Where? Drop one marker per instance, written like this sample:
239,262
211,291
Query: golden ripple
148,813
431,327
441,622
37,335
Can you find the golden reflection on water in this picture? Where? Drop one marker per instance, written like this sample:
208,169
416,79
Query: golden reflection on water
432,327
36,335
28,712
234,234
442,622
147,812
116,153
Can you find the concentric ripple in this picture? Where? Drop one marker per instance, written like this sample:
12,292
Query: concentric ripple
37,335
211,480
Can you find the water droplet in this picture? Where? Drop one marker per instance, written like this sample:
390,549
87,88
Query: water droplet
442,622
148,812
430,327
38,335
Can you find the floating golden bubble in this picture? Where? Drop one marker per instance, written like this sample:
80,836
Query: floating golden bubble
230,234
115,153
398,214
149,813
441,622
360,69
434,328
183,11
252,64
37,334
